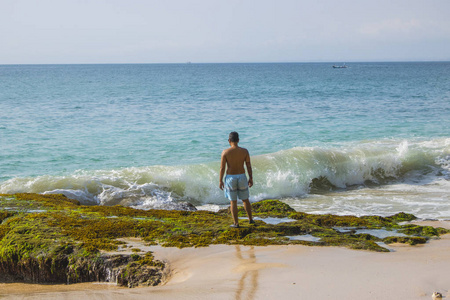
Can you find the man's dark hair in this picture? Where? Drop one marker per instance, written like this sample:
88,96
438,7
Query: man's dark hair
233,137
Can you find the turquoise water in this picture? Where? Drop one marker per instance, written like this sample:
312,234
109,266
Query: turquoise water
151,135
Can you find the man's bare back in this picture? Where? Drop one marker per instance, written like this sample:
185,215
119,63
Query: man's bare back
234,158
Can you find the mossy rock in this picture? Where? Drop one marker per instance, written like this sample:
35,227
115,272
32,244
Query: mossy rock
429,231
141,271
57,200
6,214
271,208
264,208
405,240
402,217
58,240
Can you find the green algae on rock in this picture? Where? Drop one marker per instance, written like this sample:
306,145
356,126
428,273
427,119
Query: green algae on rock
34,247
49,238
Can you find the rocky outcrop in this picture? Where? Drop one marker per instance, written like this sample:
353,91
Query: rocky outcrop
125,270
51,239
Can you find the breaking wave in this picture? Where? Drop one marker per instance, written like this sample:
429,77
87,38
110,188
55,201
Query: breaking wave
295,172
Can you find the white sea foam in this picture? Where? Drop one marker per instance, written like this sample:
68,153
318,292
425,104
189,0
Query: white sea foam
297,174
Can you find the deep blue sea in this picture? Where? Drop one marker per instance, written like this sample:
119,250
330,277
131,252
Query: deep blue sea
372,138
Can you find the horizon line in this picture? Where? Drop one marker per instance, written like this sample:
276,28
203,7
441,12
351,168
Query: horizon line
256,62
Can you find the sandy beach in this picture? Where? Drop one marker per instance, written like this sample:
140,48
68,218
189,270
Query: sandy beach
274,272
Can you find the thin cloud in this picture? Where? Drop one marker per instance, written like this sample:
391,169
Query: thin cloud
390,27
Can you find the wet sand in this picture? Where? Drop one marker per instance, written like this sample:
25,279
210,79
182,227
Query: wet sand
278,272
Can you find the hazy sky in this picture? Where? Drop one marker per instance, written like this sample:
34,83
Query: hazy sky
171,31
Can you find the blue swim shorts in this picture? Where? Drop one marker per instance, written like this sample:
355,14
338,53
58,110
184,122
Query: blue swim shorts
236,186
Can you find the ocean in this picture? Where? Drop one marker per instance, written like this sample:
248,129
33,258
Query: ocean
372,138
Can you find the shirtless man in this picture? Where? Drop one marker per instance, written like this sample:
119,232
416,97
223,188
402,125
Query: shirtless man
236,184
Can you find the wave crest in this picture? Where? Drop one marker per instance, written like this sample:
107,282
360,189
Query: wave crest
289,173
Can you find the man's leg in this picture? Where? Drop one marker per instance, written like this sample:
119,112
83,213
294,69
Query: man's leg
234,212
248,209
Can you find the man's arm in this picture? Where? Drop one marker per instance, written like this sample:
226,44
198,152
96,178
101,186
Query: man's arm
223,162
248,164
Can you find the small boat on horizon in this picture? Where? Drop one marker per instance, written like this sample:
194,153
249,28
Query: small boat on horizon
339,67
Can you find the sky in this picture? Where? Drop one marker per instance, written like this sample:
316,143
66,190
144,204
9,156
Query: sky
208,31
